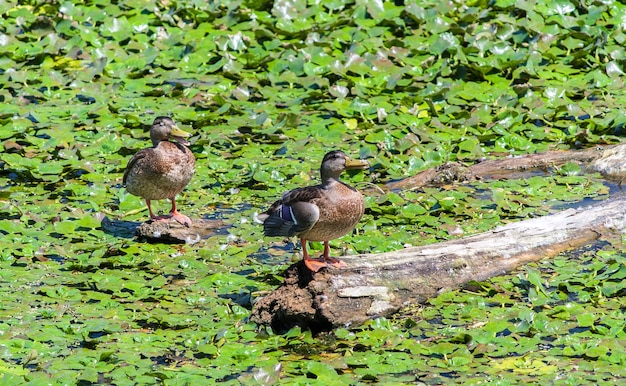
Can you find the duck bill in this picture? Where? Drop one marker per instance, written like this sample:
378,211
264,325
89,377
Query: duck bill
180,135
352,164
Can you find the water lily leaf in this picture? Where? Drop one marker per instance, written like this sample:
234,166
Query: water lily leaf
351,124
596,352
585,319
65,227
570,169
559,7
323,372
613,70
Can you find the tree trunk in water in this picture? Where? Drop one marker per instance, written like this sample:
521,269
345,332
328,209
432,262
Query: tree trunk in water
607,160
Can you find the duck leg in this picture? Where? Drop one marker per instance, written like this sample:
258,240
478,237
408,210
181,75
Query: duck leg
313,264
181,218
152,216
331,260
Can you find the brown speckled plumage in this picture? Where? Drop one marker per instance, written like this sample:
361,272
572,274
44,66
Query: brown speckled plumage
318,213
163,170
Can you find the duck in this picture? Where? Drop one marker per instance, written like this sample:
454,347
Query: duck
163,170
321,212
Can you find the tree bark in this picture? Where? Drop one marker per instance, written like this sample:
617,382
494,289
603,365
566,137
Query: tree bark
375,285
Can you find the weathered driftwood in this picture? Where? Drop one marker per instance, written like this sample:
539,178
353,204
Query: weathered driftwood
380,284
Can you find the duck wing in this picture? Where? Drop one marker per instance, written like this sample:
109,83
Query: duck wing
296,212
133,163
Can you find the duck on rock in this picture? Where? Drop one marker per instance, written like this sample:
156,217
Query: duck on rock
318,213
163,170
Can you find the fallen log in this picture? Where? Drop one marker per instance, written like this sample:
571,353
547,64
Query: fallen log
374,285
600,159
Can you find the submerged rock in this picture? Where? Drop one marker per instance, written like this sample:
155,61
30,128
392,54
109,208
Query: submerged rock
171,231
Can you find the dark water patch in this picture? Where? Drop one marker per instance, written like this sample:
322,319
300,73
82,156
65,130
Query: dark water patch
276,253
243,299
169,358
119,228
577,330
586,201
505,332
97,334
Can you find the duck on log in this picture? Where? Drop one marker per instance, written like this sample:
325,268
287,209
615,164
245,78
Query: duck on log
375,285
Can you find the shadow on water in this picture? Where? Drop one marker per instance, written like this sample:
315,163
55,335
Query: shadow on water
119,228
277,253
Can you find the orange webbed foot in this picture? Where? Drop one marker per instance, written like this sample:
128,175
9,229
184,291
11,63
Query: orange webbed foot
315,264
336,262
181,218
